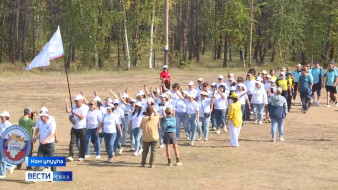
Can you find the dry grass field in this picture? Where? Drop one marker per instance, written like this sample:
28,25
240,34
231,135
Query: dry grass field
308,159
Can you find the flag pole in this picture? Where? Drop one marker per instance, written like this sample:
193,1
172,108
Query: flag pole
67,63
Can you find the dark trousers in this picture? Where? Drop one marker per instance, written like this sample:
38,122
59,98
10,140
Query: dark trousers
295,90
30,155
146,146
247,110
46,150
117,144
81,134
304,97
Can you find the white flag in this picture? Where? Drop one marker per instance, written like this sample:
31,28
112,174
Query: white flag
52,50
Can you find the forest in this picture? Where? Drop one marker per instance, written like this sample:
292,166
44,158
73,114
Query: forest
131,33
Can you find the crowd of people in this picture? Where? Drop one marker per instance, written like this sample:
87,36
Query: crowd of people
155,117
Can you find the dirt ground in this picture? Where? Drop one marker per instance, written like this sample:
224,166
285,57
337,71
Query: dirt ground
306,160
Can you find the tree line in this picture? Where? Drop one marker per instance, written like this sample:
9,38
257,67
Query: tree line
130,33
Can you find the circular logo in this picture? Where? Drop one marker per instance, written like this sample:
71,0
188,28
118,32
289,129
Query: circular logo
15,144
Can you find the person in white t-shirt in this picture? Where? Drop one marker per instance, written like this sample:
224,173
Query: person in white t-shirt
205,107
162,107
4,124
120,114
77,117
250,86
220,106
45,132
259,100
191,90
200,82
94,120
181,114
136,131
192,117
243,98
110,125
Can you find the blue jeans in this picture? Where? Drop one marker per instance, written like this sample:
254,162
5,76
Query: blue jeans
258,110
247,110
180,118
220,117
137,134
91,135
161,133
132,139
117,143
274,124
191,126
203,125
109,139
3,166
123,140
243,111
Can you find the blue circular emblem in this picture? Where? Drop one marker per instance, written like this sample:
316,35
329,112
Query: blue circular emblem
15,144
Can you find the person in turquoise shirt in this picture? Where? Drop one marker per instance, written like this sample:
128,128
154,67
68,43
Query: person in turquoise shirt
296,74
317,74
331,81
304,88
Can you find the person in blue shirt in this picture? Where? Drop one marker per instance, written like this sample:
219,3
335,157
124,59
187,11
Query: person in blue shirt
296,74
331,81
169,137
304,88
317,73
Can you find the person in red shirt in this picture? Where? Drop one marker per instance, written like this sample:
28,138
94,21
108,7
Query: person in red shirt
165,77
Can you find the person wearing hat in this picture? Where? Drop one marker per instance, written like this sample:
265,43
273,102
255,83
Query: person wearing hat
231,82
304,88
28,121
199,87
45,133
278,111
165,77
331,82
259,100
192,117
269,88
130,110
318,75
250,87
205,107
296,74
120,114
284,83
220,105
162,107
191,90
219,80
243,99
93,120
4,124
264,74
136,131
181,114
77,117
140,96
234,120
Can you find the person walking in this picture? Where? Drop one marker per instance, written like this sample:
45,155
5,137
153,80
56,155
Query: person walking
120,114
296,74
149,126
205,107
234,120
304,88
165,77
317,73
192,117
331,81
219,98
4,124
93,120
250,86
134,127
259,100
278,111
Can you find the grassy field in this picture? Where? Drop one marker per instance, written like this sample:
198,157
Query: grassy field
306,160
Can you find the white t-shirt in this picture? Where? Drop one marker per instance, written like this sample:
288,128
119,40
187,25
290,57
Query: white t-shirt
94,118
143,105
120,114
192,107
242,96
136,120
172,104
174,96
80,123
109,123
162,108
204,106
220,102
180,106
250,85
46,129
4,126
259,96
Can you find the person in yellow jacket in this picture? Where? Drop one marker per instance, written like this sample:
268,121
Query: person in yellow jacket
234,120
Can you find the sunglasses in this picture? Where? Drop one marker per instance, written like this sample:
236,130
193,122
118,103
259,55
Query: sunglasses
116,104
90,104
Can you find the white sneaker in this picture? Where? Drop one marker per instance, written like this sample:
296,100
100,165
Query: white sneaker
218,132
87,156
225,129
318,104
256,121
269,120
71,159
2,176
214,128
199,139
140,151
191,143
162,146
301,103
336,104
273,140
135,154
120,151
12,169
98,157
81,159
110,160
328,105
260,122
46,170
293,102
281,139
206,139
132,149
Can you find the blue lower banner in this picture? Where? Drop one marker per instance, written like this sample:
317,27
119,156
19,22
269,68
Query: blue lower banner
45,161
49,176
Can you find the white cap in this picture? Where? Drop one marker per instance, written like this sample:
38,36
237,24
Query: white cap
200,79
141,92
231,79
138,104
282,73
157,90
5,114
258,82
78,97
220,76
191,83
168,93
97,99
132,100
264,72
213,84
116,101
124,95
233,88
268,76
164,95
44,109
240,84
165,67
44,114
273,80
259,79
109,100
298,65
